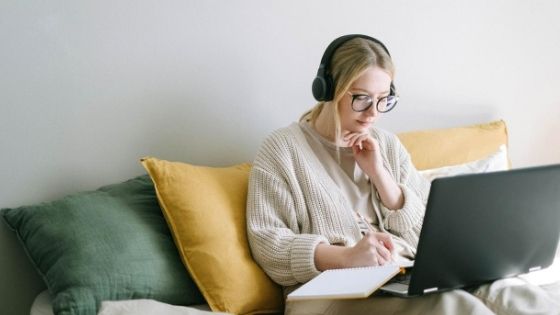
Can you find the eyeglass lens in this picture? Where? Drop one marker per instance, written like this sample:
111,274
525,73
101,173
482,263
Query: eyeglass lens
362,103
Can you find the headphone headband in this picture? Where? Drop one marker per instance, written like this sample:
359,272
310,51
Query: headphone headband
323,84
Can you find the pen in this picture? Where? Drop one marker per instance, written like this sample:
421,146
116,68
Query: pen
361,217
370,228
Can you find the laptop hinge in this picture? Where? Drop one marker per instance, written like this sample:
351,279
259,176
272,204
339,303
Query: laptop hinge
430,290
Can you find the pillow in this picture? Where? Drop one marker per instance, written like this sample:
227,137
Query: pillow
150,307
495,162
452,146
205,210
42,304
108,244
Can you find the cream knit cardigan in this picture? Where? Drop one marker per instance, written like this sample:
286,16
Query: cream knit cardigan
293,204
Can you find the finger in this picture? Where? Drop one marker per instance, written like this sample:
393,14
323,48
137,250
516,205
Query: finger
387,240
381,261
375,260
370,238
351,139
384,252
356,143
364,141
367,142
357,148
374,239
350,135
388,245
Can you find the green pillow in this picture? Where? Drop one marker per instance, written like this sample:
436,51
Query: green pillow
108,244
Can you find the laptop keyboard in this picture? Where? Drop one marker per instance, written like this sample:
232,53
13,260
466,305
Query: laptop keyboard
403,279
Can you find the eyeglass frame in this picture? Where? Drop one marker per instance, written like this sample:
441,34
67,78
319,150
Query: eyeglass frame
354,96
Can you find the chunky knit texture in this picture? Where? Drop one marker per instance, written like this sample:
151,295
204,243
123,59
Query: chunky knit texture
293,204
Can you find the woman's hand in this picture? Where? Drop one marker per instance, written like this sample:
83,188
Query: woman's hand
366,152
368,156
374,249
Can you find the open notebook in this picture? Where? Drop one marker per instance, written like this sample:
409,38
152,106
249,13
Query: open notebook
347,283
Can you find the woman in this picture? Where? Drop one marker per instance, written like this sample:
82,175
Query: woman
333,191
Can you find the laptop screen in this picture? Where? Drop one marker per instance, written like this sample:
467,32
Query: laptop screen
482,227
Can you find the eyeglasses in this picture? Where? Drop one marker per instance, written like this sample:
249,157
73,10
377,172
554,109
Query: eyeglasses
362,102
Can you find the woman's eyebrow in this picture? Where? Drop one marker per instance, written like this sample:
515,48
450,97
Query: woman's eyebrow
368,92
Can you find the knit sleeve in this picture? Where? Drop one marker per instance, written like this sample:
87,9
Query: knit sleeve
273,228
407,221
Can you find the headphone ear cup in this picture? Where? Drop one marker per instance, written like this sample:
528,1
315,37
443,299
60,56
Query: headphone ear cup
329,92
322,88
318,88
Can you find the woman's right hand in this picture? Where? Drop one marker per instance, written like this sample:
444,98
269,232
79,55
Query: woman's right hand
374,249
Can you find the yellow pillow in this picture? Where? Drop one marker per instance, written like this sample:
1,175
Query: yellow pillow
451,146
205,210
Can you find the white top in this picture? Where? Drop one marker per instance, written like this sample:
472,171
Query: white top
293,204
348,176
356,187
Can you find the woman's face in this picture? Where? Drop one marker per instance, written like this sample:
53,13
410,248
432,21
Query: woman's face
375,83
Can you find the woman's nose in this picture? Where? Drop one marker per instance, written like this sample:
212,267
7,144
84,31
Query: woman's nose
372,111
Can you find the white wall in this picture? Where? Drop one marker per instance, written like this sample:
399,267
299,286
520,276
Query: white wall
89,87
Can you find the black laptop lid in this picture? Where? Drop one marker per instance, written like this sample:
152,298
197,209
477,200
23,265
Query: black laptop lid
482,227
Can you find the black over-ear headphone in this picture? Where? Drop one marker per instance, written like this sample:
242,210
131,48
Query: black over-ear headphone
323,84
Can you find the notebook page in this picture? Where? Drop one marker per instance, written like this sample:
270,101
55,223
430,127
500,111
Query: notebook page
345,283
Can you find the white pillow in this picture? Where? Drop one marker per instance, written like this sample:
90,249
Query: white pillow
497,161
42,304
150,307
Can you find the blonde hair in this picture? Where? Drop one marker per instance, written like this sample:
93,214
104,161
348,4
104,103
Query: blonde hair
349,61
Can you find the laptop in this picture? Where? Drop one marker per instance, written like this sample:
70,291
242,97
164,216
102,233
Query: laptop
482,227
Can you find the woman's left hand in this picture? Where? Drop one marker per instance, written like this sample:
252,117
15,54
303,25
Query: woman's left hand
366,152
368,156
